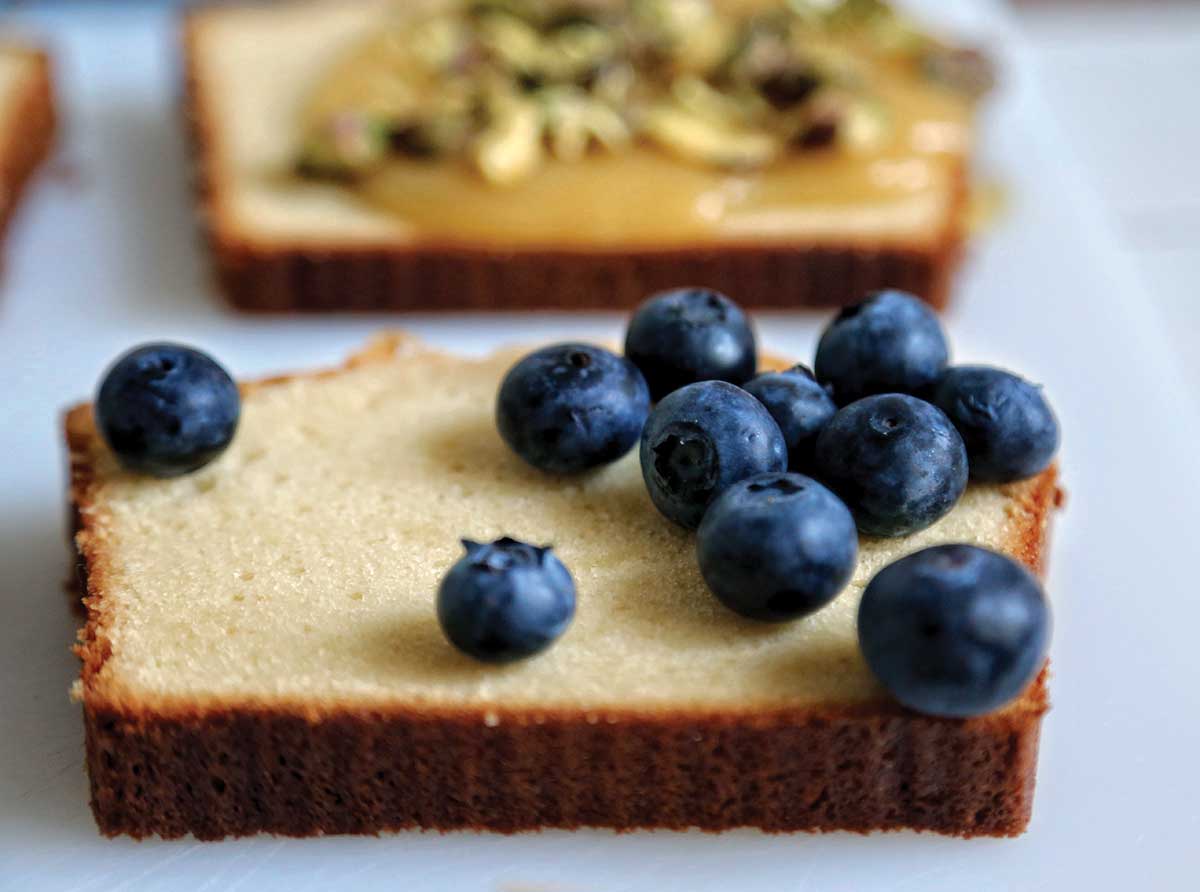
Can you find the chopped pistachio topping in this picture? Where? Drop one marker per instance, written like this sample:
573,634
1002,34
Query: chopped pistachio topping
508,84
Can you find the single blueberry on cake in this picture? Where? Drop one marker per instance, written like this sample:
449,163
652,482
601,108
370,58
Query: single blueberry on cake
689,335
571,407
1008,427
890,343
505,601
702,439
897,461
777,546
954,630
800,406
166,409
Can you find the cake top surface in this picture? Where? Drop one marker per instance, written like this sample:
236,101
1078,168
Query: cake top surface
302,566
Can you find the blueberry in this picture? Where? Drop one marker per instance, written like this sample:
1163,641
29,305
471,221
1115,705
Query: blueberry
166,410
800,406
1008,427
896,461
777,546
505,601
687,335
889,343
954,630
571,407
702,439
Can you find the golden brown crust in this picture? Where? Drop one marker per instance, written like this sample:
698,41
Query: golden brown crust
299,769
298,277
245,771
26,135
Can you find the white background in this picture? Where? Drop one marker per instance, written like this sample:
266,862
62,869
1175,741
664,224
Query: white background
108,257
1120,78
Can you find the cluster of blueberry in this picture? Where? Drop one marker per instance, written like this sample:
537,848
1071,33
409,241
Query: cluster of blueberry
779,473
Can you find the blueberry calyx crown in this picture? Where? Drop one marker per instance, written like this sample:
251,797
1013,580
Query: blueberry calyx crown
708,308
504,554
685,461
779,485
505,600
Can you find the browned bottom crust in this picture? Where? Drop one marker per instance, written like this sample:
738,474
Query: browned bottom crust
766,277
296,772
247,771
26,138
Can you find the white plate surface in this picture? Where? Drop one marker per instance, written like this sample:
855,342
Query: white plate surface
108,257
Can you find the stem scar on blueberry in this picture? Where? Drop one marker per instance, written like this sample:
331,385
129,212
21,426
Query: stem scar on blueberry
683,461
887,425
579,359
781,485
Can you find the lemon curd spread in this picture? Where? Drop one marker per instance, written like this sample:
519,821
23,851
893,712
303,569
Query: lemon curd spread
647,122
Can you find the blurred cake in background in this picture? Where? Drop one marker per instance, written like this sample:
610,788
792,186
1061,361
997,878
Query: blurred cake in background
27,120
507,154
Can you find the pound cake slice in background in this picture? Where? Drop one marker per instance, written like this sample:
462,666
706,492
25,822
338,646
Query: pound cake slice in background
262,653
865,191
27,121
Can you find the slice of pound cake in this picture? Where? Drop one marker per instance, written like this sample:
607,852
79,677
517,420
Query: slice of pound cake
263,651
